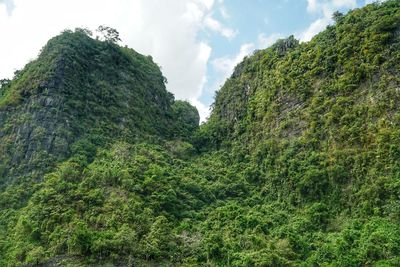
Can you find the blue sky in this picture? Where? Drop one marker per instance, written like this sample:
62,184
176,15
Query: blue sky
253,20
197,43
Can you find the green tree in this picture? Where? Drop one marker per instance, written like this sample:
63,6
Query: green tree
108,34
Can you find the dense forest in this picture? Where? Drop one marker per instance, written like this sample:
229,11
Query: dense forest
298,164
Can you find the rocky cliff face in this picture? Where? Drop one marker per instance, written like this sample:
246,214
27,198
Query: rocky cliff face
290,88
79,89
319,118
36,130
298,164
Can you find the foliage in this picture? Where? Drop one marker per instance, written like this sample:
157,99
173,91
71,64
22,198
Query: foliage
298,164
109,34
187,119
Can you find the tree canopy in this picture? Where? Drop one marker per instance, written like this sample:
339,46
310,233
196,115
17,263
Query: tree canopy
298,164
108,34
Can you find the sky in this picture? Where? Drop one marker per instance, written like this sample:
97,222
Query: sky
197,43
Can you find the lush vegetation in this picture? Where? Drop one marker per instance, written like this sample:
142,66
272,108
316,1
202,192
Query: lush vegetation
298,165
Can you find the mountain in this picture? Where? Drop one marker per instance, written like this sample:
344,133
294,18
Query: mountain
79,94
298,164
319,119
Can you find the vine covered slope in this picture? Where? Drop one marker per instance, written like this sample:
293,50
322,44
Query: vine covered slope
298,164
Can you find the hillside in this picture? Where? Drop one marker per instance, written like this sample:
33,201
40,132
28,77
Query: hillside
316,126
298,164
320,119
80,94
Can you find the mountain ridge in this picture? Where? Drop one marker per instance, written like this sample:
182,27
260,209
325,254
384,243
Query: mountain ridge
298,164
64,105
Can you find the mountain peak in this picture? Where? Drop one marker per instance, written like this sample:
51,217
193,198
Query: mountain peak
82,88
298,164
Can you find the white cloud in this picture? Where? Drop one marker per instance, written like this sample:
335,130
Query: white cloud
344,3
207,3
171,38
315,27
167,30
326,8
312,6
224,66
266,41
216,26
204,110
224,13
9,5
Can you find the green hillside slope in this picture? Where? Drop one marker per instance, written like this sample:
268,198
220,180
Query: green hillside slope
298,164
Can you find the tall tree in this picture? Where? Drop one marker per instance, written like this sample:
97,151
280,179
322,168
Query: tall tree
109,34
